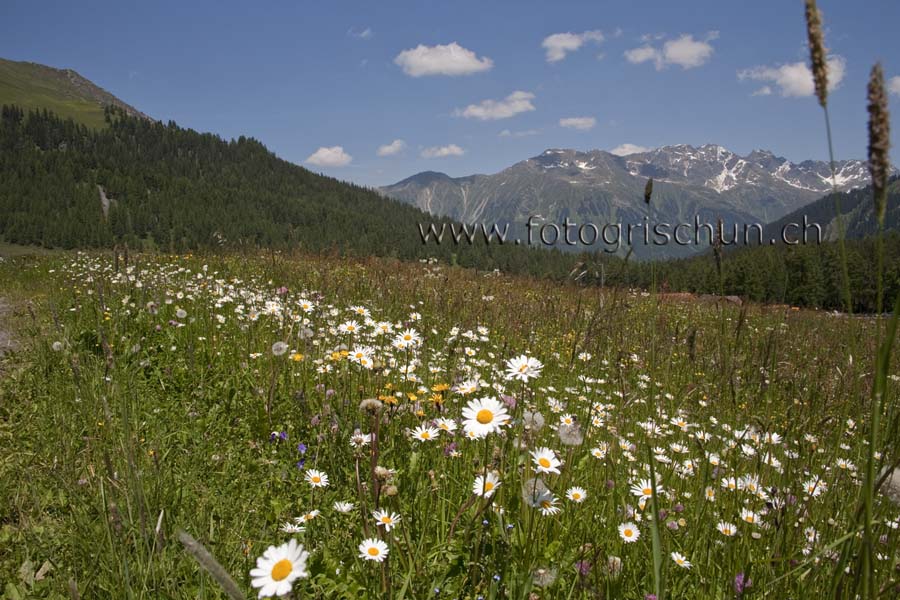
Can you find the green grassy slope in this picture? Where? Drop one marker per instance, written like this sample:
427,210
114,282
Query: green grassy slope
63,91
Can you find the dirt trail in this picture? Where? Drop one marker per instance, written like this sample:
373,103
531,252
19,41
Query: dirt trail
7,342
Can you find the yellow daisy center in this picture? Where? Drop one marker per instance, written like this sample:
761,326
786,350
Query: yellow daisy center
316,479
386,519
647,491
373,551
576,496
546,504
425,435
282,569
544,462
488,486
523,368
484,416
628,533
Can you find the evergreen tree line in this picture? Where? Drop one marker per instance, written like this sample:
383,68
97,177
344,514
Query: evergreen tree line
173,189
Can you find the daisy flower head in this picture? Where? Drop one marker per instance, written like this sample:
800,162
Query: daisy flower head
278,568
409,338
549,504
486,485
545,460
727,529
444,424
643,489
629,532
344,507
680,560
348,327
316,478
425,433
386,519
576,494
469,386
373,549
483,416
523,368
748,516
292,528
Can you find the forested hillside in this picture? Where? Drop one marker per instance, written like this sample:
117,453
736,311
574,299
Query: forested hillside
158,186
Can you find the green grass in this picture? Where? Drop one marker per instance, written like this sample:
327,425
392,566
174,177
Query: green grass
126,422
33,86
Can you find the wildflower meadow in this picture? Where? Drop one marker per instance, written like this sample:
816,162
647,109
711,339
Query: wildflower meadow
214,426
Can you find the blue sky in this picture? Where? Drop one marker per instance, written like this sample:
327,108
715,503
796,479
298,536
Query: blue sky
305,76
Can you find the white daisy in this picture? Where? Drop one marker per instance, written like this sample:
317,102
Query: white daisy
523,368
316,478
486,485
545,460
424,433
576,494
629,532
277,569
680,560
373,549
483,416
386,519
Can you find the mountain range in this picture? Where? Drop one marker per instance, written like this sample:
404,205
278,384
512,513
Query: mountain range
708,181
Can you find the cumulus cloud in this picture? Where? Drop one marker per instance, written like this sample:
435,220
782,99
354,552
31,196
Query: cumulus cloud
894,85
765,90
795,80
448,59
643,54
523,133
560,44
333,156
391,149
684,51
442,151
626,149
489,110
582,123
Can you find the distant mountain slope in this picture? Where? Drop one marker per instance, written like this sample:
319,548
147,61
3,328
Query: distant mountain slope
599,187
857,211
63,91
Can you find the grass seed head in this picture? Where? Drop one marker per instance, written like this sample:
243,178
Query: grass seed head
817,51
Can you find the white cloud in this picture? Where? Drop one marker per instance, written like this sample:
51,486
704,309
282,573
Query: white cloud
442,151
449,59
489,110
333,156
560,44
642,54
391,149
893,85
626,149
365,34
684,51
582,123
795,80
523,133
765,90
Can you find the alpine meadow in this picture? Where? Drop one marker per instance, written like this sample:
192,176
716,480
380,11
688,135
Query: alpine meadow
227,375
